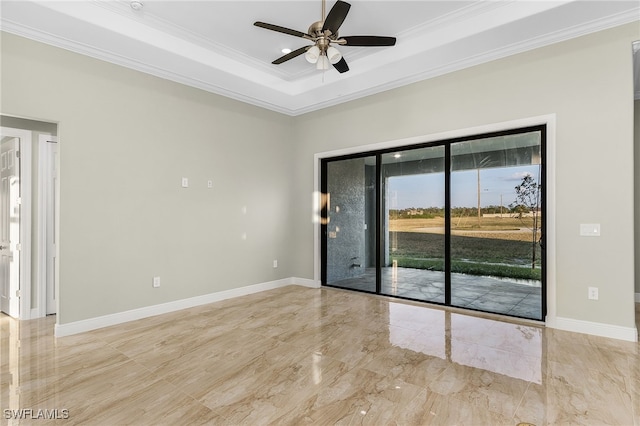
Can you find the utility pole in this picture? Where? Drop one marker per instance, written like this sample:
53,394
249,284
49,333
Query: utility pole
478,198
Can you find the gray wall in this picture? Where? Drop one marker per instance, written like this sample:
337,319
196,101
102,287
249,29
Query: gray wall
587,83
126,140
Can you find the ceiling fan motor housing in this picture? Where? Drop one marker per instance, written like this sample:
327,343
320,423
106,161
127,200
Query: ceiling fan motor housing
323,40
316,29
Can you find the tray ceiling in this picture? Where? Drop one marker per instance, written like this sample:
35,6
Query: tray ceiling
214,46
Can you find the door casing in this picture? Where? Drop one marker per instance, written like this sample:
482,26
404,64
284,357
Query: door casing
47,238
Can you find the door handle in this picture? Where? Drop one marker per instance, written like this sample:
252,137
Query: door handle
3,247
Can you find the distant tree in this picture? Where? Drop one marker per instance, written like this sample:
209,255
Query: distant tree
528,198
518,209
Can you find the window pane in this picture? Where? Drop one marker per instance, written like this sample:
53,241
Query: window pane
496,225
413,235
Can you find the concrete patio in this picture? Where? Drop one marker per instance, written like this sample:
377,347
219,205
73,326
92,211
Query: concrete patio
518,298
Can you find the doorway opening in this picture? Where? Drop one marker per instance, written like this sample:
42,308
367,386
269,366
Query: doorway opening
28,224
458,222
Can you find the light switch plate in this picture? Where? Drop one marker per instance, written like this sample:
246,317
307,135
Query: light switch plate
590,229
185,182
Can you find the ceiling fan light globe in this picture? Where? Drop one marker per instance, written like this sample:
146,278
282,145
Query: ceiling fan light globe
312,54
334,55
323,63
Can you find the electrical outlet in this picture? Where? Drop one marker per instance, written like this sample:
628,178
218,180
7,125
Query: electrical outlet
156,282
275,263
209,184
593,293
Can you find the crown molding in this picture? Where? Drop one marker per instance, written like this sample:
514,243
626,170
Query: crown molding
259,86
528,45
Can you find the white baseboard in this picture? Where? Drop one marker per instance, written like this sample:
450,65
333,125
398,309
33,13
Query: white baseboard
76,327
61,330
595,328
637,297
306,282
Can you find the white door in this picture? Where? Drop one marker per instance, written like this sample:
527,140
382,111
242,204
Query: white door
52,196
10,225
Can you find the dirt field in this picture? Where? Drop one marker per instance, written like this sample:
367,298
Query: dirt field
512,229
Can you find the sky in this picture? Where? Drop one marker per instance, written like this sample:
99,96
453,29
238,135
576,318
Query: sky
428,190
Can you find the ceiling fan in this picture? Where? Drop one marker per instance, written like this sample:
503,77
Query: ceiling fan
324,34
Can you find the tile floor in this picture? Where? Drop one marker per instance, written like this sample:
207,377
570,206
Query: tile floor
519,298
326,356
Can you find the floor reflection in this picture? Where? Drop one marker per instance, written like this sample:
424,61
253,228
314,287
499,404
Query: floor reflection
296,355
514,350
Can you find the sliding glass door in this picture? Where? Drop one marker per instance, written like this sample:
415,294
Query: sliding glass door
413,224
496,223
455,222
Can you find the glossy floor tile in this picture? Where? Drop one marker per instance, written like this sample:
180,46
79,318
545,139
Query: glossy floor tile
296,356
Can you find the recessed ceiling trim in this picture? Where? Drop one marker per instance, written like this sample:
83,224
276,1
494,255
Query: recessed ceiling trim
124,25
93,52
152,21
424,51
472,60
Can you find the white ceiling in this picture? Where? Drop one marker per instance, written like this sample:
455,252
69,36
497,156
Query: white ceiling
214,46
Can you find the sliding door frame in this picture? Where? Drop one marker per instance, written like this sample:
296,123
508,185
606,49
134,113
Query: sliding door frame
323,159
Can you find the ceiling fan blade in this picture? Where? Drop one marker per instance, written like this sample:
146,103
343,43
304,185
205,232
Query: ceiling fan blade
282,29
341,66
291,55
369,41
336,16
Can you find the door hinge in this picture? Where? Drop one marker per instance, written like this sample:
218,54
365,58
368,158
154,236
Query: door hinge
19,201
18,293
18,154
18,247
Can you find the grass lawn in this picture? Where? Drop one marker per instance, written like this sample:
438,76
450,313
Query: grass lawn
499,249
